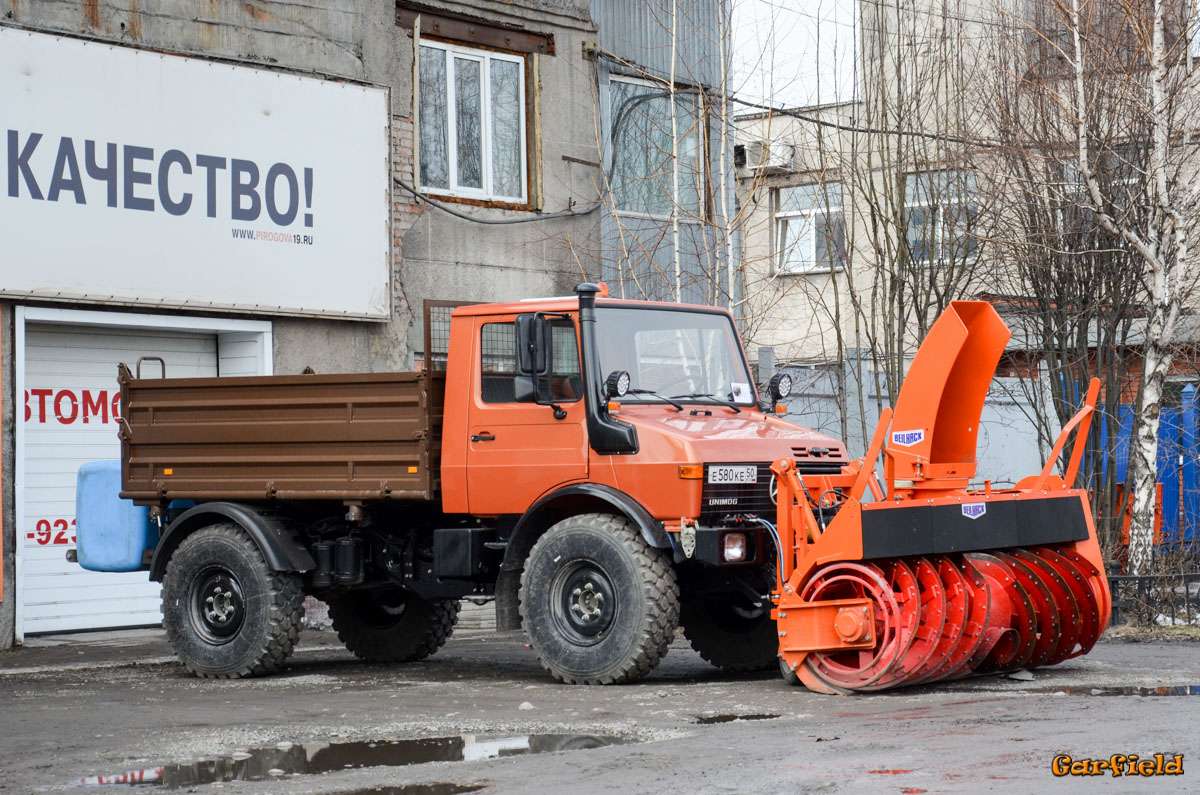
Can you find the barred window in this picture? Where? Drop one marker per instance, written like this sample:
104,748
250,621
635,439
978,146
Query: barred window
498,363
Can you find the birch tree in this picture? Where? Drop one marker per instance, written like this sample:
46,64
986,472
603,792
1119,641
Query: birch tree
1072,289
1141,54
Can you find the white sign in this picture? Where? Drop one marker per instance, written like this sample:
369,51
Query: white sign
974,510
135,177
908,438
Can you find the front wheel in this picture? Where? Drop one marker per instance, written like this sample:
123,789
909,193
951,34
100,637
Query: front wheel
392,625
731,631
598,603
226,614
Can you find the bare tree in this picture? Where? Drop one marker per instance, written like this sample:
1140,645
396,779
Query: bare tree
1101,119
891,177
1071,287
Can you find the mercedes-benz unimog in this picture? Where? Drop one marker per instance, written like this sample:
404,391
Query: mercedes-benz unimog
600,467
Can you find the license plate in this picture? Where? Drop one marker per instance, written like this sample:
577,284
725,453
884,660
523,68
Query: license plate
733,474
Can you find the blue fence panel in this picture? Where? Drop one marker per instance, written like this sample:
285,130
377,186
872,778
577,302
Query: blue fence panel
1190,521
1123,437
1168,471
1178,464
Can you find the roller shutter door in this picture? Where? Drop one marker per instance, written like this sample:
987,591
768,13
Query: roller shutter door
70,418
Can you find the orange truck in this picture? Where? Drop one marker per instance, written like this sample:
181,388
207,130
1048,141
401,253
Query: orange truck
599,467
607,471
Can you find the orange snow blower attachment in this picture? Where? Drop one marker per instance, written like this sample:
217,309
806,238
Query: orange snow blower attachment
933,580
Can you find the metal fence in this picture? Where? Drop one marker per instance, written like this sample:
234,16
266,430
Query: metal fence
1162,599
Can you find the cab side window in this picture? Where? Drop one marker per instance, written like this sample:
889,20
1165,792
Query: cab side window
565,381
498,364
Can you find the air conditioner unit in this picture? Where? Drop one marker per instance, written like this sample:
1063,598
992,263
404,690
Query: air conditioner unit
770,157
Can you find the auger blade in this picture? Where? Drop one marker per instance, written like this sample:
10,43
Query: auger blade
956,614
1079,576
988,608
850,670
923,613
1047,624
1069,618
1013,616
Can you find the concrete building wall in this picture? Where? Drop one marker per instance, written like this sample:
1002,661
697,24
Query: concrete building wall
435,254
8,535
453,248
801,315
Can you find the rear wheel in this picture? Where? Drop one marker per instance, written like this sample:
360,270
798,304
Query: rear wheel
598,603
730,631
226,614
392,625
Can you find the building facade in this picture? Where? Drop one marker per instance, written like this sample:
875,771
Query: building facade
237,189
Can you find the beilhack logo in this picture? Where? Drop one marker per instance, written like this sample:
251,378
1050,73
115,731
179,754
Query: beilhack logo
974,510
907,438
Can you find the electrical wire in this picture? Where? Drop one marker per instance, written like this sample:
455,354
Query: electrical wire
626,107
796,114
496,221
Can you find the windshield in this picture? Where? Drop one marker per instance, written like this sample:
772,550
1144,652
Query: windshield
674,353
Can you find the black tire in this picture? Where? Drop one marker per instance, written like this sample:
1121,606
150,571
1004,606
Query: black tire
730,631
598,603
227,615
392,625
789,676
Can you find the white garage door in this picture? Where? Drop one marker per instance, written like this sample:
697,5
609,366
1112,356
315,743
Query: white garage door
70,418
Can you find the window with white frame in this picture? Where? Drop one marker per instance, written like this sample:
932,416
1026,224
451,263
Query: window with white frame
940,216
472,123
810,229
643,171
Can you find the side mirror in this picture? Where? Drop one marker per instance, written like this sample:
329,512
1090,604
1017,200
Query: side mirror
532,344
523,390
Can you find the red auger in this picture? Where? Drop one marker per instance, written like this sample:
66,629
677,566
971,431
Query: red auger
933,580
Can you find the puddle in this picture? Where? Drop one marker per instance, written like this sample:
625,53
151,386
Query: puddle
437,788
285,759
1172,690
705,720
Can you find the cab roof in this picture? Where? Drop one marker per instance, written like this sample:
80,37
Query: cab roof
570,303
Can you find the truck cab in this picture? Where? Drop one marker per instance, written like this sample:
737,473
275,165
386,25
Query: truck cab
642,412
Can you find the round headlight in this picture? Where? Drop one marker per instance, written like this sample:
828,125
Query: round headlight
617,384
780,386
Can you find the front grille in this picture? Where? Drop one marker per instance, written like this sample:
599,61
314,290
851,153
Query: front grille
718,501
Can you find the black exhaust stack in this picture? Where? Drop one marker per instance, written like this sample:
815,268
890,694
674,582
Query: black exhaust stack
606,435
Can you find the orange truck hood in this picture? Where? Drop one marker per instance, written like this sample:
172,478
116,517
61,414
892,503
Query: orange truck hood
725,436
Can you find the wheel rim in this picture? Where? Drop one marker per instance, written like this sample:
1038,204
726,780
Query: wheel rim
382,610
584,603
218,605
732,612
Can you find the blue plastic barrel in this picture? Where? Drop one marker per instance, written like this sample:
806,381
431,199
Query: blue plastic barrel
111,533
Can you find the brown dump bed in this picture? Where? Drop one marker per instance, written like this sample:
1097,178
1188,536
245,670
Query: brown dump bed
364,436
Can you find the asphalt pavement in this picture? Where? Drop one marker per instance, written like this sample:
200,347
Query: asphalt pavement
78,710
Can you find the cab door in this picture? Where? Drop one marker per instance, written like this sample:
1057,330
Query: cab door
518,451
